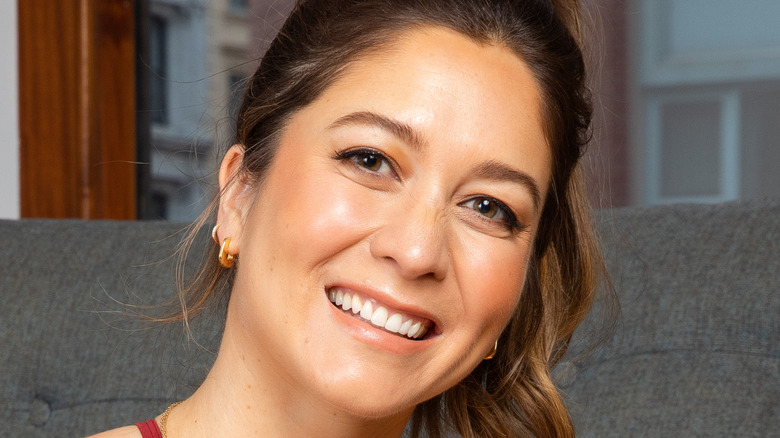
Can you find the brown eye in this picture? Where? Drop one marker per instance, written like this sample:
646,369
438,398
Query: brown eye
493,211
370,161
486,207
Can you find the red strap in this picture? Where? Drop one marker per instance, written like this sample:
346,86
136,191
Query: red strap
149,429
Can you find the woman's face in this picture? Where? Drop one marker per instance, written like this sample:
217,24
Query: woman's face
410,189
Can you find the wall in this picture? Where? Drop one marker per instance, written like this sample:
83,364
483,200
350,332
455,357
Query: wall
9,113
609,168
706,91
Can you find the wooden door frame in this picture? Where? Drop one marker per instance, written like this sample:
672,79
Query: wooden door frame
77,106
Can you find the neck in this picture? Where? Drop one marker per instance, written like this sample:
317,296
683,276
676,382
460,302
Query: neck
245,396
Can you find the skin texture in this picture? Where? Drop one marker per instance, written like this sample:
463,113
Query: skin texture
455,131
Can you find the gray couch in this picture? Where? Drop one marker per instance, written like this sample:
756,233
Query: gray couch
696,349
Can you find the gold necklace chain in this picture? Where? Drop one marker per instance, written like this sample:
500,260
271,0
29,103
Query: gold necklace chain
164,418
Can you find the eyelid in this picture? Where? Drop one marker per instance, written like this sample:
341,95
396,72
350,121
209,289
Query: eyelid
510,222
349,154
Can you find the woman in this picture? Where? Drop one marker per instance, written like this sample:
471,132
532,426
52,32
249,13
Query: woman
401,226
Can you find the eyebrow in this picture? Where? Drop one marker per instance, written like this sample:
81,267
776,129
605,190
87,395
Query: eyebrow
495,170
400,130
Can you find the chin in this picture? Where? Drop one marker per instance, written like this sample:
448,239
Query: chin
359,397
374,408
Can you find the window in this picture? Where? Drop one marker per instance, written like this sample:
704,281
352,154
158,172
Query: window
158,66
708,94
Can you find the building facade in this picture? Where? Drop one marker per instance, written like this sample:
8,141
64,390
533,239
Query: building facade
198,55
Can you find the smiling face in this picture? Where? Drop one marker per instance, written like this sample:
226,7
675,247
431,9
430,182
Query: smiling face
387,246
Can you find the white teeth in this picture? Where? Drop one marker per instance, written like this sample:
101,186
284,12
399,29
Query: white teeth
379,318
414,329
405,327
367,311
347,301
393,323
357,304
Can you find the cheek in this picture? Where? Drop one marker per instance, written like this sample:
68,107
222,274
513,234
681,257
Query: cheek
492,282
337,209
318,213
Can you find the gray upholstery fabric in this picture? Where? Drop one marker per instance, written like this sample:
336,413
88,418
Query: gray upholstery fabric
71,364
696,351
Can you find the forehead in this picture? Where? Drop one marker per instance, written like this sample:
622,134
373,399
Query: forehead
454,92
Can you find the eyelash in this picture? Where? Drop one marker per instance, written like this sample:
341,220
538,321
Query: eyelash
355,156
509,221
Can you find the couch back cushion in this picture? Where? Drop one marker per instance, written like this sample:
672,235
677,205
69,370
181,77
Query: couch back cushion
696,351
73,361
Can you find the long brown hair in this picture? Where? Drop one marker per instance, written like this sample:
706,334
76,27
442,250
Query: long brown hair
513,394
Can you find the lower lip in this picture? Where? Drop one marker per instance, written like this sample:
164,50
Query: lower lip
376,337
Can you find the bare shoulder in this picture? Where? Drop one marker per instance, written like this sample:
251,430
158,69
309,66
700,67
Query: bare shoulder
122,432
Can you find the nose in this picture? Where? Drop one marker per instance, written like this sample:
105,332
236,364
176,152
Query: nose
413,238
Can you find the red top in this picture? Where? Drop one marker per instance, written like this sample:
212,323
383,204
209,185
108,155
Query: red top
149,429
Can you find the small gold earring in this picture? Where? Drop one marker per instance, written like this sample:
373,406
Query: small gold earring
226,260
214,233
492,353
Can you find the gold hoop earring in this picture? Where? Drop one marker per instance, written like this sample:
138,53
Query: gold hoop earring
226,260
492,353
214,233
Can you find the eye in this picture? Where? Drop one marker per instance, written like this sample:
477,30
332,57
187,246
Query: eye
493,210
486,207
372,162
369,160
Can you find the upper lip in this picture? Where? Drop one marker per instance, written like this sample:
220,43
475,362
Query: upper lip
389,301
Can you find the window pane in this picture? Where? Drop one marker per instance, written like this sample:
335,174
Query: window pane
158,53
690,149
761,151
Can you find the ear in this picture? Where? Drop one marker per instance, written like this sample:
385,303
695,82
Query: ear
234,199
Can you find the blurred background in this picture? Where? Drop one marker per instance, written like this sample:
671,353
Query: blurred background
119,108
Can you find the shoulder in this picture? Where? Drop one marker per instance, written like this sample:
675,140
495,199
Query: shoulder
122,432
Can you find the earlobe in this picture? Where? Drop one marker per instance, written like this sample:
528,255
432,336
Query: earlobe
233,202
